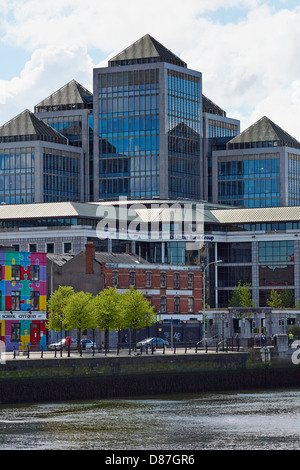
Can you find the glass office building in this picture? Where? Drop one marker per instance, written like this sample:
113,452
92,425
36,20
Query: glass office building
69,111
37,164
149,107
259,168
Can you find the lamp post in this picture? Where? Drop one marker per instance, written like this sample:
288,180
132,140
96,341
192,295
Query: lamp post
203,288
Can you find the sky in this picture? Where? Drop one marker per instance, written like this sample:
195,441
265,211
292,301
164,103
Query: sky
247,50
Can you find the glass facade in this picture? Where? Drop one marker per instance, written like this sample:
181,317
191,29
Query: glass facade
134,119
293,179
184,109
250,182
61,173
17,175
129,134
69,126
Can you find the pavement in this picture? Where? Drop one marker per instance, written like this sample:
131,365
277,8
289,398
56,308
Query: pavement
23,355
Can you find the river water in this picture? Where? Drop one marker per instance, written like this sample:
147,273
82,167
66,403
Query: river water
232,421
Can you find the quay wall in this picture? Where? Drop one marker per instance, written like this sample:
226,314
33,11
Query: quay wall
87,378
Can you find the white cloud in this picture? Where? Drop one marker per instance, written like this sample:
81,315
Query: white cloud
48,70
250,65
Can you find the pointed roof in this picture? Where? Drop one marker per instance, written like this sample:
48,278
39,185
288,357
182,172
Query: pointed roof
146,50
209,106
70,96
265,130
27,126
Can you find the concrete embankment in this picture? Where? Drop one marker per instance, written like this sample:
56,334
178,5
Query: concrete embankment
86,378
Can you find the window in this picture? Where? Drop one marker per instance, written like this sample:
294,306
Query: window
176,304
34,300
148,279
163,280
163,304
132,279
15,300
32,247
115,278
15,273
190,281
50,247
34,273
176,281
68,247
15,332
191,305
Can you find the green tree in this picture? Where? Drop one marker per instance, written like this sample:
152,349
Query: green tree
76,312
242,296
275,300
138,312
106,311
288,298
56,306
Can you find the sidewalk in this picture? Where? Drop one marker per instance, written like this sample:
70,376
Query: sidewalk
34,355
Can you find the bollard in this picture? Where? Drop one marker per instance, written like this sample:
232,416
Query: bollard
206,346
185,348
14,352
42,351
54,351
28,347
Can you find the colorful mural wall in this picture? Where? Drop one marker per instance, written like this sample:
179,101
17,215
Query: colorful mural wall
23,298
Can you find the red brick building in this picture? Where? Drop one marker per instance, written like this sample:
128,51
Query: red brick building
171,289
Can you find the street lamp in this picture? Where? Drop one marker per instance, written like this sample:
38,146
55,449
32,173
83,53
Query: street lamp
203,288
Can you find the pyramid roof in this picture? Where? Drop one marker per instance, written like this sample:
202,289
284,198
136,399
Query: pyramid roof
265,130
147,48
70,94
29,125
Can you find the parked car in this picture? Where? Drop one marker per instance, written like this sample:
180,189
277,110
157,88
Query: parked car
87,343
62,345
152,342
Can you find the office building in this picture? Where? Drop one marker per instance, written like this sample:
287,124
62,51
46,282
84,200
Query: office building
259,168
37,164
69,111
149,106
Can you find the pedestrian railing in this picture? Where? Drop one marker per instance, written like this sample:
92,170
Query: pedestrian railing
206,345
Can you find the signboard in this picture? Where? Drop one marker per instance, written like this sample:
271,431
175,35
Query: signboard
23,315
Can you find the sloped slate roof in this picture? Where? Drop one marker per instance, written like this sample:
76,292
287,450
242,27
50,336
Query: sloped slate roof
27,124
119,258
265,130
209,106
145,48
71,93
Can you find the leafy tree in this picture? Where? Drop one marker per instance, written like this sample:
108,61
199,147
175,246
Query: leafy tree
56,306
138,312
288,298
106,311
76,312
274,301
242,296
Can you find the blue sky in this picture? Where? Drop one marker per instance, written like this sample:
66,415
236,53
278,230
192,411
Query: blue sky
247,50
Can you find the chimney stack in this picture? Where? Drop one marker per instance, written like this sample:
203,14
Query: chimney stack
89,257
